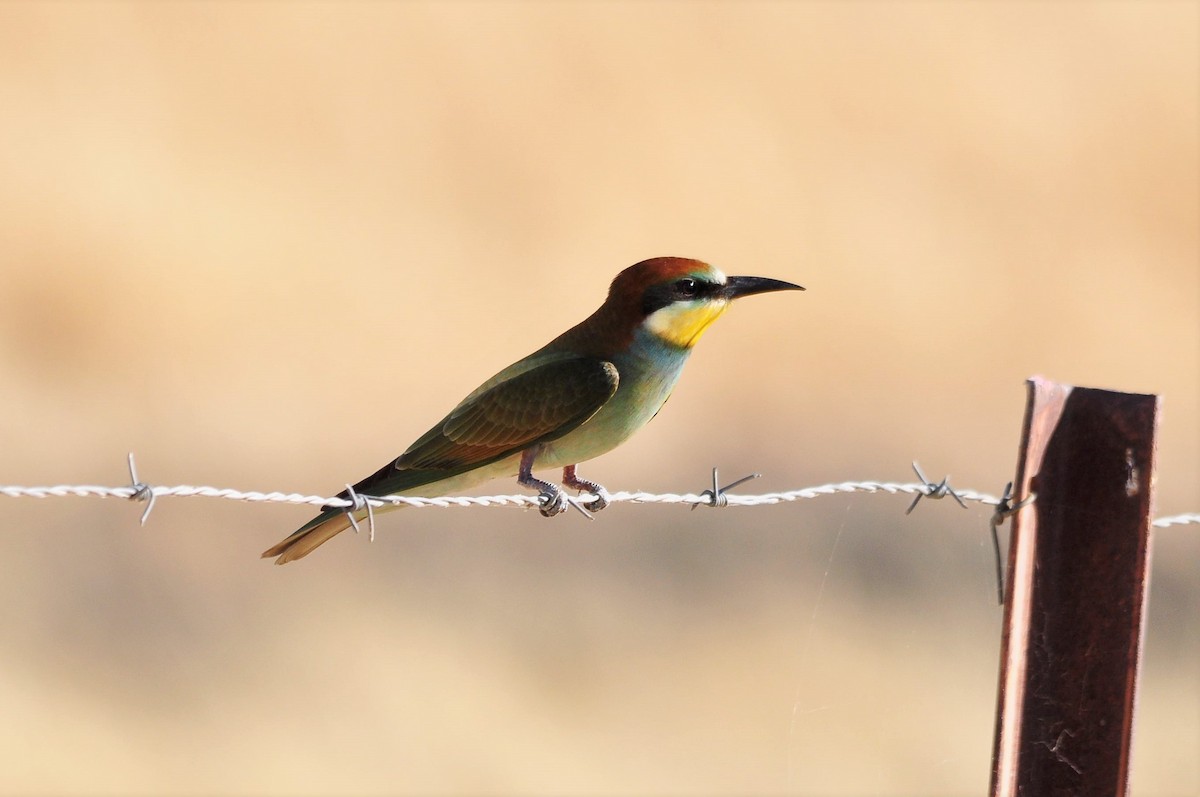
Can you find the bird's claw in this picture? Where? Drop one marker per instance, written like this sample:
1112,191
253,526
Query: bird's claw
552,501
601,500
571,479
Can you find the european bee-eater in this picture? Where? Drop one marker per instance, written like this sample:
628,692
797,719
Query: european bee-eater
579,396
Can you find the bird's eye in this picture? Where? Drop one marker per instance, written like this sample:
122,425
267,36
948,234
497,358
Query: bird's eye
687,287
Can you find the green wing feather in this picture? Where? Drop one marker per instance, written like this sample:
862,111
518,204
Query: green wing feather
535,406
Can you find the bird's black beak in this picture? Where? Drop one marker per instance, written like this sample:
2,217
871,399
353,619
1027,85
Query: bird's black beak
748,286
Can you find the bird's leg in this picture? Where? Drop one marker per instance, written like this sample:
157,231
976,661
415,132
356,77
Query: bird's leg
585,486
553,499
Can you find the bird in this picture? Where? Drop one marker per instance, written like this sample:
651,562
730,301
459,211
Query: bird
579,396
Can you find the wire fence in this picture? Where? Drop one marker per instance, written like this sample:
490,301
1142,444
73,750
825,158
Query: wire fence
716,496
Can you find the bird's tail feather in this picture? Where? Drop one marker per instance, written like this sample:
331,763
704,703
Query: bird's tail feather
309,537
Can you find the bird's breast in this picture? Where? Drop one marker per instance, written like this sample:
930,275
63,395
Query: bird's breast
647,371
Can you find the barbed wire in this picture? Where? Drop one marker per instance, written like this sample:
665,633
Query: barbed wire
147,492
1005,506
715,497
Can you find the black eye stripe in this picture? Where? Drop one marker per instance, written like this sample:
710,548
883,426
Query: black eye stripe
685,289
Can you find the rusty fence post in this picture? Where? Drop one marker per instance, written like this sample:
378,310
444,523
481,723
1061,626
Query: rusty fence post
1074,614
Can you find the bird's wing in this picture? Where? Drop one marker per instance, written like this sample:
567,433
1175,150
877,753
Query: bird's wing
508,414
535,406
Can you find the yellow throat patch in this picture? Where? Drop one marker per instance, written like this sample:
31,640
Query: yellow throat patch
681,324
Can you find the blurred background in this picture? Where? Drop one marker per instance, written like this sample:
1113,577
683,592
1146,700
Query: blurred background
265,246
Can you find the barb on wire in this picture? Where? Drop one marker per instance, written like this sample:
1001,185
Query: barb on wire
141,490
358,503
932,491
716,496
1005,508
578,506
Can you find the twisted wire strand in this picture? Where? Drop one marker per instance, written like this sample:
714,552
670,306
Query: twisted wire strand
146,492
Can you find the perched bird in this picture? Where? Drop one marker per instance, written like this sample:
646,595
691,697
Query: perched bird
579,396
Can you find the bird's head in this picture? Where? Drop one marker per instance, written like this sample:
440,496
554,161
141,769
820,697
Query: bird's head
675,298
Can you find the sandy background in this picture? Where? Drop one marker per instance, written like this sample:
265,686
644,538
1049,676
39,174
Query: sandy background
265,246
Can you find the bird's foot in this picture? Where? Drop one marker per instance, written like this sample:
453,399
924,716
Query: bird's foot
602,499
551,499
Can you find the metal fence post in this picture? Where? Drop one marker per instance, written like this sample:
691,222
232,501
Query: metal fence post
1078,576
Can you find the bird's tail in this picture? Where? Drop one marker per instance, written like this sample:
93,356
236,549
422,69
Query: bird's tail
310,536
